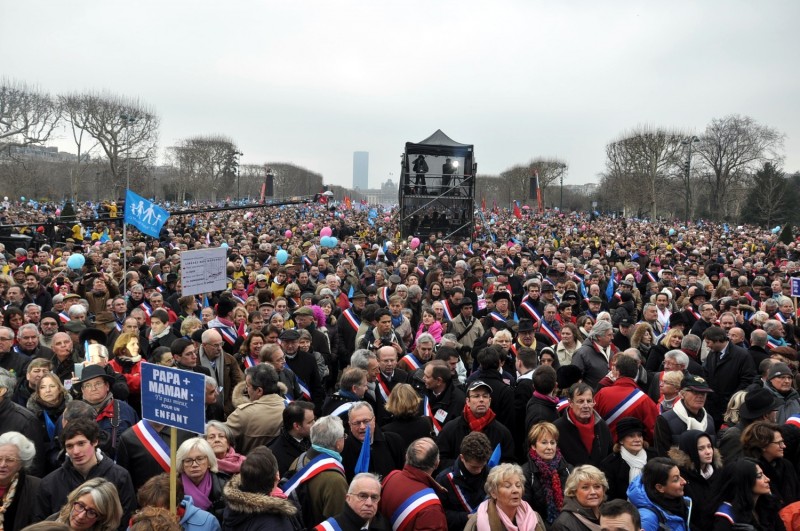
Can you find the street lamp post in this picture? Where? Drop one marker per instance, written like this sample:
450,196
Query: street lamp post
129,120
688,142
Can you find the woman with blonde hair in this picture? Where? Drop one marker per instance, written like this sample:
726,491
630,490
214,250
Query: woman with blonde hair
584,492
93,506
670,341
504,509
404,405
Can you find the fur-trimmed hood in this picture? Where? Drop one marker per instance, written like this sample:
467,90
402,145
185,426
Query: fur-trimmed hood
252,503
683,460
238,397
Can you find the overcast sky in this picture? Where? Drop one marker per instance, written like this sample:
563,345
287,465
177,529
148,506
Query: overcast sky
309,82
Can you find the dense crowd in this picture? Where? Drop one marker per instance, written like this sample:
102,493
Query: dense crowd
558,371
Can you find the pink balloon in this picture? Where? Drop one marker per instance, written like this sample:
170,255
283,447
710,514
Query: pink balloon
326,231
288,234
310,226
414,243
387,219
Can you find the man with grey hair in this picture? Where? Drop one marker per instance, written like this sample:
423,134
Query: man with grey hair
14,417
272,353
361,507
385,448
32,313
415,488
758,346
592,358
320,473
28,342
692,345
222,365
10,359
775,333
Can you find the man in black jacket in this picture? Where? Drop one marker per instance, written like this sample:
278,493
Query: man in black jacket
298,417
728,369
502,402
134,456
443,401
584,437
387,450
14,417
81,437
304,366
465,480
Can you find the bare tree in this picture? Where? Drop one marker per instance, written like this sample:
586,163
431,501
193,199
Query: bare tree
769,201
126,129
206,165
76,110
27,116
644,158
732,149
291,180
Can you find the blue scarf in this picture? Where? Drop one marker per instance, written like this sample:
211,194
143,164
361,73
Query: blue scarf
333,453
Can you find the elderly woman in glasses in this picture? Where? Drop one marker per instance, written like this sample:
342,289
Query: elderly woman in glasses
199,474
93,506
19,489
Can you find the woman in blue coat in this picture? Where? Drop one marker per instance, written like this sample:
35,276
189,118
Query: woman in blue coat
658,494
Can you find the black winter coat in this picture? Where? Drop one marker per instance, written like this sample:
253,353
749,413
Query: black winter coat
286,449
535,494
14,417
387,453
573,450
472,486
20,513
702,491
255,511
57,485
617,473
449,440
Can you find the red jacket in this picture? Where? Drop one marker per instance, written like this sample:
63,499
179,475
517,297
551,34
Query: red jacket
400,486
623,400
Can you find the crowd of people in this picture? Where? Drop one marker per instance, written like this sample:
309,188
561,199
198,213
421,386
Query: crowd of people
557,372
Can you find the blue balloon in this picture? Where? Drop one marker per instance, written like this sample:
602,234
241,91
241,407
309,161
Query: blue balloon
224,245
672,232
282,256
333,241
76,261
325,241
22,198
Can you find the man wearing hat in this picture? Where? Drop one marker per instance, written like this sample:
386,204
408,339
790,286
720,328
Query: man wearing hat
502,311
477,416
687,414
779,383
113,416
347,328
692,312
304,320
594,305
759,405
304,366
465,326
728,369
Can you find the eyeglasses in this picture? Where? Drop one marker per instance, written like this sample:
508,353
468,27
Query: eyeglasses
779,443
92,387
78,507
198,460
363,496
9,460
361,422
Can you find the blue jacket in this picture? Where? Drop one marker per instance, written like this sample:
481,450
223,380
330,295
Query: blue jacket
196,519
649,511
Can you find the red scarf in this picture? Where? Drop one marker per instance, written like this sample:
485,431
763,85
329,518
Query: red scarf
475,423
586,431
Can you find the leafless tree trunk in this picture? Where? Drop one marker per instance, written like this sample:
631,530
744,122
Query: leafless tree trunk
27,116
733,148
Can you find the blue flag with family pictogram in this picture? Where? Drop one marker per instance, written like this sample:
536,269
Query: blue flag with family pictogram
145,215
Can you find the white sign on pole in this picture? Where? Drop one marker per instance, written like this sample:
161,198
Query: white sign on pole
795,286
203,271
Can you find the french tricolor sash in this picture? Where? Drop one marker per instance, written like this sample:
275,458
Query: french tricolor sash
328,525
238,298
385,294
618,295
118,326
779,316
63,317
652,277
408,511
148,310
342,409
158,278
307,263
248,362
319,464
545,261
627,404
496,317
352,318
420,272
531,310
437,426
383,389
462,498
551,334
694,314
154,445
412,361
562,404
447,311
228,334
725,511
495,270
303,388
771,345
794,420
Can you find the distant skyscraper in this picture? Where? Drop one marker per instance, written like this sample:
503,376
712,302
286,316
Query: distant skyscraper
360,170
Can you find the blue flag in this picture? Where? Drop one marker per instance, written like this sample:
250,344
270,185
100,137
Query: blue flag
351,293
362,465
494,460
610,288
144,215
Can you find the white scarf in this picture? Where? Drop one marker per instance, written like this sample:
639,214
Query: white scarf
691,422
636,462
